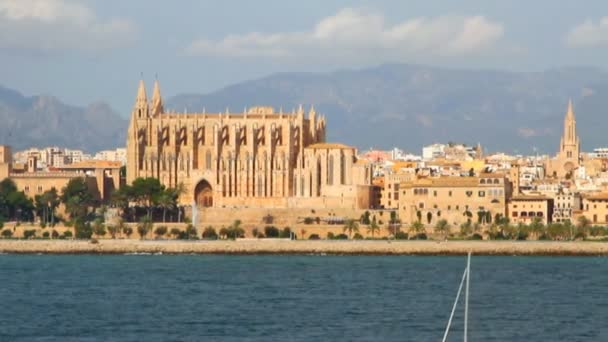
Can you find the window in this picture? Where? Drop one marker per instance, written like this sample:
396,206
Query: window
450,193
496,181
514,214
39,188
27,188
540,214
421,205
449,207
435,193
481,194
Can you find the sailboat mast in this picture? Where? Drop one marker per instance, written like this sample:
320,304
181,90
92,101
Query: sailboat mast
466,299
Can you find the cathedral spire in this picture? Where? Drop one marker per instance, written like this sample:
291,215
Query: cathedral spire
157,100
142,98
570,112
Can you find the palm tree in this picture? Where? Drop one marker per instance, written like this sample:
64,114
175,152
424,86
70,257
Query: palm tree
373,227
443,227
351,226
536,227
417,228
166,201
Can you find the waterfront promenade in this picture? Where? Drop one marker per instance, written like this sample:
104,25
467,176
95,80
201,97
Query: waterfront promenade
278,246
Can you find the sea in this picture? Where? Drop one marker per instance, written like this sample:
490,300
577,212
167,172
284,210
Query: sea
299,298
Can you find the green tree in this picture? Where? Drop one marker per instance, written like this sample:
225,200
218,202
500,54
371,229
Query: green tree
536,227
373,227
83,229
146,192
417,228
351,226
77,198
46,204
167,201
443,227
583,223
466,228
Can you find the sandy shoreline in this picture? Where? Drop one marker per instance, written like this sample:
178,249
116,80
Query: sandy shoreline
268,246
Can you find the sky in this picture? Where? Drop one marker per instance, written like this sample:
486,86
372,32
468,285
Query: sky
96,50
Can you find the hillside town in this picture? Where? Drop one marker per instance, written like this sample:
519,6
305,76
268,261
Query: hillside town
265,167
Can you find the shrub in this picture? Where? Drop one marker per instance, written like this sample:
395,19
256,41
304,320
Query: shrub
42,225
29,233
522,235
175,232
7,233
421,236
401,235
83,229
308,220
271,232
285,233
46,235
144,226
357,236
67,234
255,232
94,241
54,234
191,233
314,237
330,236
1,222
209,234
318,220
476,236
341,237
160,231
127,231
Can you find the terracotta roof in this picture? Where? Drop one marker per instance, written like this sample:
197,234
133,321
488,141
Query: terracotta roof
596,196
93,164
330,146
530,198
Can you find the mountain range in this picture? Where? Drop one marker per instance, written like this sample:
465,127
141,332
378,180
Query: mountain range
44,120
390,105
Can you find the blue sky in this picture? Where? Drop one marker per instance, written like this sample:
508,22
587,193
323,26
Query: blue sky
95,50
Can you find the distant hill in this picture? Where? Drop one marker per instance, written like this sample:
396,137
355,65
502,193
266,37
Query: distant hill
390,105
411,105
46,121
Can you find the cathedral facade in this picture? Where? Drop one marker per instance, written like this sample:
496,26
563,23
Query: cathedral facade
568,158
259,158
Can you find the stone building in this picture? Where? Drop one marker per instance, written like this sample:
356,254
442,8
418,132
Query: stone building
569,157
455,199
257,158
101,177
594,208
526,208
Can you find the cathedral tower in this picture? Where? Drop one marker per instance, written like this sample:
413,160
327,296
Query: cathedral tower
568,157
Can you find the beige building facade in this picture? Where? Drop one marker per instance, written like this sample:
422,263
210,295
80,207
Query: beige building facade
525,209
258,158
455,199
101,177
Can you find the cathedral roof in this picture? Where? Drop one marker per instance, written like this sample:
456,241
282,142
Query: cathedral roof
330,146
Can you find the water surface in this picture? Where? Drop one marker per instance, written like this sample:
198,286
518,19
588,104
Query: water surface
298,298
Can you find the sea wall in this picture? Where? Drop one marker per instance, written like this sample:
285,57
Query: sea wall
277,246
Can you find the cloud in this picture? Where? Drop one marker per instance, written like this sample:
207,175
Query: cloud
59,24
354,33
527,132
589,34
